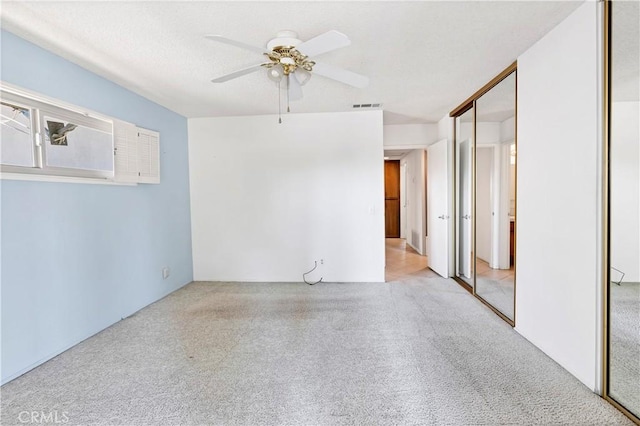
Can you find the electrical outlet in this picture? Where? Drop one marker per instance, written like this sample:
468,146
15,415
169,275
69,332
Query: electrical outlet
166,272
322,261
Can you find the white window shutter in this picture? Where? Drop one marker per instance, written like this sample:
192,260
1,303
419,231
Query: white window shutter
148,156
125,151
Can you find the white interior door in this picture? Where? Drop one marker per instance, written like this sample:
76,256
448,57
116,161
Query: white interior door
438,208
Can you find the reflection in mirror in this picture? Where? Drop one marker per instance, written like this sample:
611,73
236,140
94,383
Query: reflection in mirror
464,194
624,207
495,195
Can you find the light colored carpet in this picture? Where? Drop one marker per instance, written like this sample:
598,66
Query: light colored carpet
421,352
624,372
499,293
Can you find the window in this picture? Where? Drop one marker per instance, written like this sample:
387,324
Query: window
45,138
17,145
71,145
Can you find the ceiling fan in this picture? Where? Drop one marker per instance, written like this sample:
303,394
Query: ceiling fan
288,59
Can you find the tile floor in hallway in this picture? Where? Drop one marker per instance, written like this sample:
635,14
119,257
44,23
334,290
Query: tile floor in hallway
483,269
403,262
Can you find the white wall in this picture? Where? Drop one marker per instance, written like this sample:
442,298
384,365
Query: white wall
414,162
557,227
409,135
625,190
445,128
268,199
508,130
487,133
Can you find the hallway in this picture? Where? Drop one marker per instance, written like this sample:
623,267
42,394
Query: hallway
403,262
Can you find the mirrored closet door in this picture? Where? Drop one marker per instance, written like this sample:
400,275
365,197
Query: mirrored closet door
622,300
495,195
485,141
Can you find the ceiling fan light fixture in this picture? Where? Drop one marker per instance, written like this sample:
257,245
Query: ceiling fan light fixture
303,76
289,59
275,73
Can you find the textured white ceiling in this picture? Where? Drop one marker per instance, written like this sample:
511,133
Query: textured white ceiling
626,51
423,57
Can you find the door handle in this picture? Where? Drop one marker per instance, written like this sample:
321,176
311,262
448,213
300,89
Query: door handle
443,217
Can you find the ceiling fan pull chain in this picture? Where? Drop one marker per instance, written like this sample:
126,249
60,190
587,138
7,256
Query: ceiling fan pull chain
279,102
288,77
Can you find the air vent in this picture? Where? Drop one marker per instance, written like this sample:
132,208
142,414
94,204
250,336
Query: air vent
360,106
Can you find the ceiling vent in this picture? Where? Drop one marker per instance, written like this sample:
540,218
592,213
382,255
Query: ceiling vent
361,106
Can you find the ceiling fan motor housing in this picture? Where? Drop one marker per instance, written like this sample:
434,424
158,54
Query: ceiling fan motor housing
284,38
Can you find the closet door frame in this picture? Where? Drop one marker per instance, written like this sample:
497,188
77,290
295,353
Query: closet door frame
607,48
470,103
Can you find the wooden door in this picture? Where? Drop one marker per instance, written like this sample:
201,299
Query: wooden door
392,198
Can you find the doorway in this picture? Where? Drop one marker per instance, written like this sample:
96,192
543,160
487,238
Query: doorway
403,263
405,213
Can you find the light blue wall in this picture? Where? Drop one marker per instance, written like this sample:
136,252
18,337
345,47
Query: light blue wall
78,257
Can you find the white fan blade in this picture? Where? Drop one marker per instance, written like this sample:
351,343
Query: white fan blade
236,43
295,91
331,40
236,74
340,74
